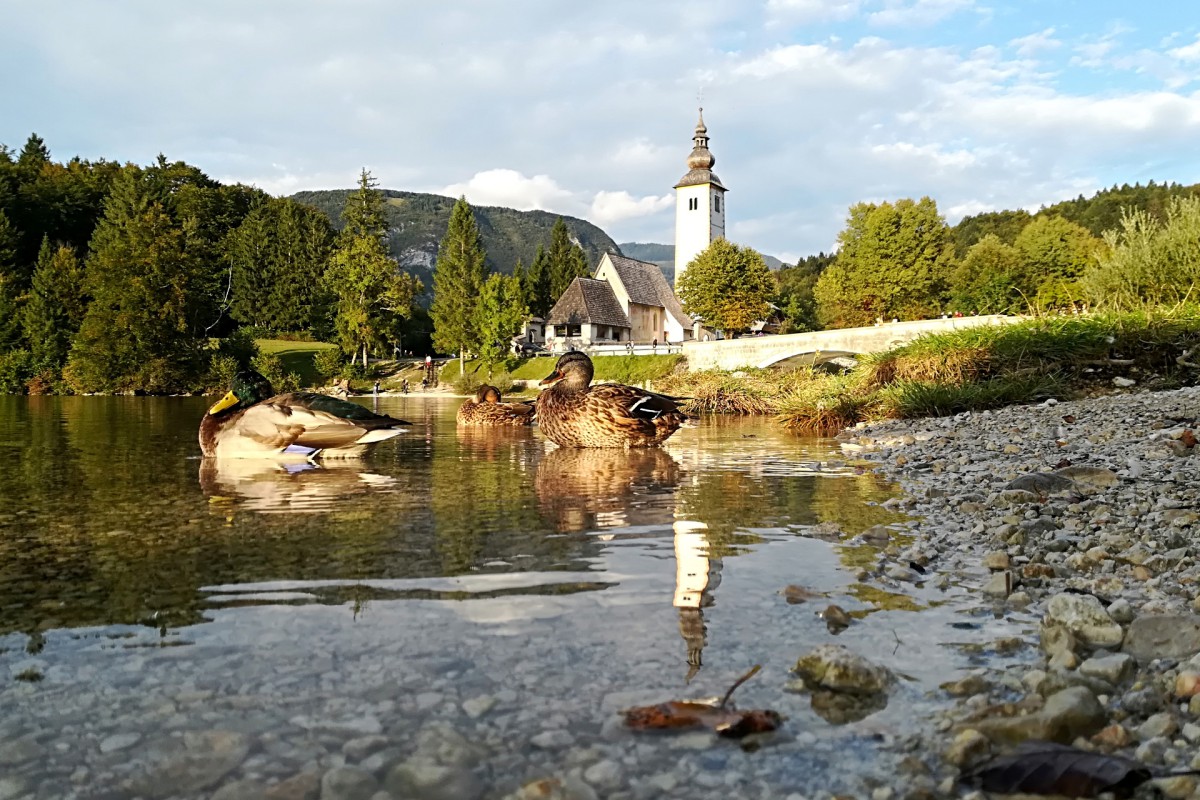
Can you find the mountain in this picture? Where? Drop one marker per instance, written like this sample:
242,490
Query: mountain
417,222
664,256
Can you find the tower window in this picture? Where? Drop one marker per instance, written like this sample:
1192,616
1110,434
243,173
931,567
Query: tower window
693,203
717,203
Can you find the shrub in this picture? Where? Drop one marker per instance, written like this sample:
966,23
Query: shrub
329,364
16,368
271,368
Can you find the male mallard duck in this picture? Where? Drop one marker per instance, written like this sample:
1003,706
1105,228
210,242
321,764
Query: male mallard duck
574,414
486,409
251,421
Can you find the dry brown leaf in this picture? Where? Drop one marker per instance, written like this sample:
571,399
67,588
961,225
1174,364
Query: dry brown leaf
1049,768
721,716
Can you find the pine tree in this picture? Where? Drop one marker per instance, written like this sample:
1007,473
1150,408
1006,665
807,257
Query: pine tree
372,295
537,285
55,307
567,260
143,328
457,280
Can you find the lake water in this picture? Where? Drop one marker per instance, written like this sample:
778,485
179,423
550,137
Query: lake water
459,614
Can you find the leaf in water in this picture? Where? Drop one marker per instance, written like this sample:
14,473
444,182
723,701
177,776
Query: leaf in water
719,716
1048,768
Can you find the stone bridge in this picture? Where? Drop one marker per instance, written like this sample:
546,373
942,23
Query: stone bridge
763,351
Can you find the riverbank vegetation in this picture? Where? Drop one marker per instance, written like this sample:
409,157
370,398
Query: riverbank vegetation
965,370
635,370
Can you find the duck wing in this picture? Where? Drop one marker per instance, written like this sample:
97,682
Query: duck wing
313,420
635,403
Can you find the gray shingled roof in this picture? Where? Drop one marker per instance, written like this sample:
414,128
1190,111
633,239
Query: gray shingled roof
645,284
699,177
588,300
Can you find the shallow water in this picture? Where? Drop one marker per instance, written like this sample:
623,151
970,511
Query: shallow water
474,602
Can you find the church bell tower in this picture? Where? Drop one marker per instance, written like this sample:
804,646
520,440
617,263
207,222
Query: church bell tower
699,203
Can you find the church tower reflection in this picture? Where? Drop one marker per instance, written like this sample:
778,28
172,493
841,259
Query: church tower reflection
696,578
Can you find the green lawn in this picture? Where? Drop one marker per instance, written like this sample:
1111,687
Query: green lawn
622,369
297,357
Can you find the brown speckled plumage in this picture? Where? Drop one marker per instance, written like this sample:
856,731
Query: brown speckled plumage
486,409
572,413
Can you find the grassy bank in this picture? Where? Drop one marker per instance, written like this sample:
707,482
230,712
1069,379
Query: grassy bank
972,369
296,357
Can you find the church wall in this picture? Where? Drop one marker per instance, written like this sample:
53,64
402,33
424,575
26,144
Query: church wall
693,226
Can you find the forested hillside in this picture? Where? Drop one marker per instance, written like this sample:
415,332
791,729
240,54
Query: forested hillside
417,222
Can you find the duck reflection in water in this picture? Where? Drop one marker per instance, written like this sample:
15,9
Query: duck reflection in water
696,578
271,486
581,489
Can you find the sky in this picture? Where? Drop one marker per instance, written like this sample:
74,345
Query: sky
587,109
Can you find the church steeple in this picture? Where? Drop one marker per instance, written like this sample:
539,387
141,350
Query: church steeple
699,203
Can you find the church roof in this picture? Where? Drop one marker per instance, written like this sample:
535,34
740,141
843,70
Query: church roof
588,300
699,177
645,284
700,161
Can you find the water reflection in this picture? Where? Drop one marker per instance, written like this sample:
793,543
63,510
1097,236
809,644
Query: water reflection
274,487
581,489
697,577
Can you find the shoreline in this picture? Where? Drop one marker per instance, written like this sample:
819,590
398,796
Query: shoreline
1097,539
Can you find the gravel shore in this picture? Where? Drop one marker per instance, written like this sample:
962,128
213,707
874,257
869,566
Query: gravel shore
1086,514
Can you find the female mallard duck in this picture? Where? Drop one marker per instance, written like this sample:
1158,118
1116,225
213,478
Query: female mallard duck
486,409
251,421
574,414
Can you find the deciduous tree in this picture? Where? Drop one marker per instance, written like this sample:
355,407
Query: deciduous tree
727,286
988,280
1054,254
894,260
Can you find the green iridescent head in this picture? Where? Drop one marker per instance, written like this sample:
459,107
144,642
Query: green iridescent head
247,388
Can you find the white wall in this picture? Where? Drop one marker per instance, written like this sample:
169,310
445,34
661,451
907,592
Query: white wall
695,229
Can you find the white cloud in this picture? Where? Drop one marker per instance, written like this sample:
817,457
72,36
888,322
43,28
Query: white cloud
609,207
802,11
924,156
1035,43
916,13
507,187
642,153
1188,53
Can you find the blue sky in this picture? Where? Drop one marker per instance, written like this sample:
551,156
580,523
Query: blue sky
587,108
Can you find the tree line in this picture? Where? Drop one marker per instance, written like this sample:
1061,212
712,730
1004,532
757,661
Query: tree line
126,278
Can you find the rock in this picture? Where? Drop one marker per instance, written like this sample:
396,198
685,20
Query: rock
240,790
429,781
970,685
1160,724
605,774
476,707
996,560
1057,639
552,740
1112,669
363,746
969,745
1113,737
1163,636
1040,484
1089,477
1085,617
119,741
198,760
833,667
1123,383
836,619
1067,715
348,783
12,786
1121,611
999,585
1177,787
302,786
18,751
1187,684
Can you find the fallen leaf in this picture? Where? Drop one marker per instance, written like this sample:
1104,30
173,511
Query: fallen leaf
720,716
1048,768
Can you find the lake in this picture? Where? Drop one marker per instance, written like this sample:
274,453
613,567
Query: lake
460,614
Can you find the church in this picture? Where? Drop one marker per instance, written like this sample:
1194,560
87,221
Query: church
629,301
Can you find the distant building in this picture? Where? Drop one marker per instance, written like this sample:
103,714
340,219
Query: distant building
699,203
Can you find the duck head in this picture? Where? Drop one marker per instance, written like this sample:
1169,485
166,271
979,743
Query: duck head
248,387
487,394
574,369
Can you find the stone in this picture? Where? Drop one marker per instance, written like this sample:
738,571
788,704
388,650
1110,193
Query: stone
119,741
552,740
1040,484
1112,669
969,745
999,585
240,790
604,774
476,707
18,751
1067,715
198,760
1187,684
1057,639
1114,737
1177,787
12,786
1160,724
1121,611
834,667
302,786
996,560
1085,617
1163,636
1089,477
363,746
348,783
430,781
1123,383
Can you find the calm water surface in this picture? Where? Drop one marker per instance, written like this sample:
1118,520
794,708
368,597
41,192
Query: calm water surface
474,604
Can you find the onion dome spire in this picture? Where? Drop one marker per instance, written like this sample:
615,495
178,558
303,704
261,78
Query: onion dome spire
701,160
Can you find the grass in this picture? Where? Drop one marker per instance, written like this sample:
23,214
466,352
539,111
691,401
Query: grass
990,367
297,357
621,369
